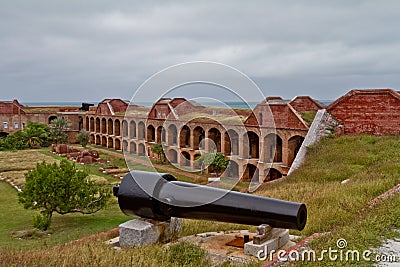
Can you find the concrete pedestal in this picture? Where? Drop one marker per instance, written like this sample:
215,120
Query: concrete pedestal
143,232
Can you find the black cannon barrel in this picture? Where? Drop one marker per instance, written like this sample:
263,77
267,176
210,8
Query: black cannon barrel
160,197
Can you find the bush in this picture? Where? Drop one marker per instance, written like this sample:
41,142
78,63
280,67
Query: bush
41,222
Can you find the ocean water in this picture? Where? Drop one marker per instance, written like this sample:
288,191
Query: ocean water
148,104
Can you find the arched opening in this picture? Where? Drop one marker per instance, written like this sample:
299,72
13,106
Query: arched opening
110,143
231,143
124,129
142,149
117,144
151,133
215,135
232,171
198,136
132,148
160,137
103,125
110,126
250,172
91,128
117,128
172,156
98,140
132,130
197,161
91,139
251,145
104,141
172,135
97,125
51,118
80,123
186,159
272,174
184,137
87,124
142,130
295,143
273,148
124,146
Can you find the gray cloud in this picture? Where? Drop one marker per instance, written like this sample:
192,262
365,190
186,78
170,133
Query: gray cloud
88,50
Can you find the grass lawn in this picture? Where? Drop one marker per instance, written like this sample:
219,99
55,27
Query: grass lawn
64,228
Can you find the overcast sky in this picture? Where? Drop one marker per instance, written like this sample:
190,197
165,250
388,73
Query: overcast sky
54,50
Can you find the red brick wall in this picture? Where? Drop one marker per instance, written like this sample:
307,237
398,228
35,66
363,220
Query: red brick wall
368,112
283,116
304,103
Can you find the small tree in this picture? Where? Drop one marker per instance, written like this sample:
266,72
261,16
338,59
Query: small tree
215,160
36,134
83,138
62,189
58,126
159,150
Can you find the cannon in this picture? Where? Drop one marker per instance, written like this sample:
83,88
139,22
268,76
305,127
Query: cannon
159,197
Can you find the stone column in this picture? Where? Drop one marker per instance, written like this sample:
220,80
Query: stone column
285,152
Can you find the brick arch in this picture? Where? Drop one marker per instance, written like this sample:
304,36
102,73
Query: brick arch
110,126
232,171
117,127
110,142
231,142
132,148
103,125
104,141
132,129
141,148
172,134
272,148
91,126
172,156
117,144
251,145
198,137
215,135
98,139
124,129
184,137
151,133
271,174
141,130
185,161
251,172
294,144
97,125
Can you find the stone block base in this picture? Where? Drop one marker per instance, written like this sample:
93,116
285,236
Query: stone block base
143,232
277,240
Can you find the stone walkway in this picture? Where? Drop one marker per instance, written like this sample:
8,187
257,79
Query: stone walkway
148,163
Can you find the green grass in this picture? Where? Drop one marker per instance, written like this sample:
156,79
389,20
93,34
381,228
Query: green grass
64,228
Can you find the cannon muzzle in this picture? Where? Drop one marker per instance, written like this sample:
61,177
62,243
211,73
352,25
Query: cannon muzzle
159,197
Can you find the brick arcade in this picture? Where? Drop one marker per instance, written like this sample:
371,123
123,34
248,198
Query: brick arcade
257,147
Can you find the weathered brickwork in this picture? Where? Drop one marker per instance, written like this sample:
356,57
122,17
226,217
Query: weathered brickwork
305,103
374,112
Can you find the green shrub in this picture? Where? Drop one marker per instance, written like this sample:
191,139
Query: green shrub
41,222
